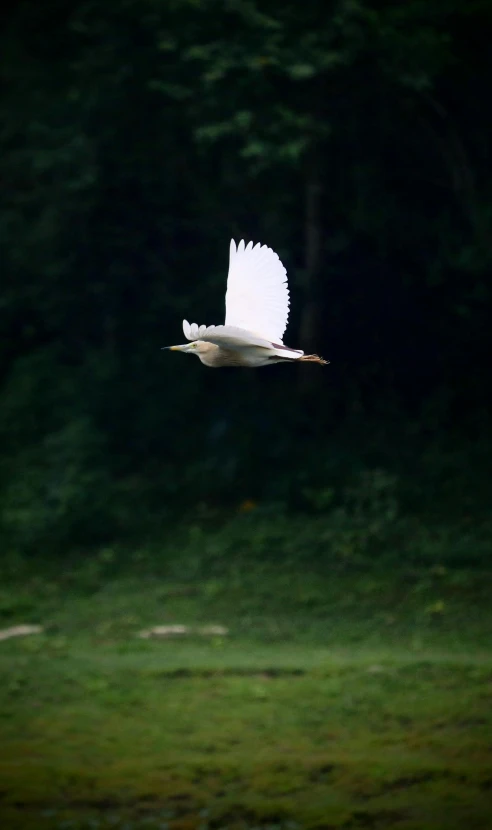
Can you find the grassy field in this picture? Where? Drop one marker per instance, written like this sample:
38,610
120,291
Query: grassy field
348,697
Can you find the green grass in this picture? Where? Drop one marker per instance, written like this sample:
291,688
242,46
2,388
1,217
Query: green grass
347,697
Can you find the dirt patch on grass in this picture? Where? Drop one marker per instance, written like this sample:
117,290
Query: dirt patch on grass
264,674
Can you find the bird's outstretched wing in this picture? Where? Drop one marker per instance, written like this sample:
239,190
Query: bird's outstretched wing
257,297
230,337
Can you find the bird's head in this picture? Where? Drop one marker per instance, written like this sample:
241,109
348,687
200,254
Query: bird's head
193,347
206,352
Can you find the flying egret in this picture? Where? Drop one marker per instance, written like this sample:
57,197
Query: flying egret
257,308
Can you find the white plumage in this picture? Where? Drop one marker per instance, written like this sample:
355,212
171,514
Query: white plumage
257,297
257,309
230,336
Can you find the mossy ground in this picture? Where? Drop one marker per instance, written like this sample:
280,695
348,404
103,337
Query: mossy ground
342,698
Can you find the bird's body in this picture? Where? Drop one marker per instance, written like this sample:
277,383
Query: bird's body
257,309
216,356
249,357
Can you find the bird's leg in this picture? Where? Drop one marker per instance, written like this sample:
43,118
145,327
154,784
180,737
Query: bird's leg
313,358
308,358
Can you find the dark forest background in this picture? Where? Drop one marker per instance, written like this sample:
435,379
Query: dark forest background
137,138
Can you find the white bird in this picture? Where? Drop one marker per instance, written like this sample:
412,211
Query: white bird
257,309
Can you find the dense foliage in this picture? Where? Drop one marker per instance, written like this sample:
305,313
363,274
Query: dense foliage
136,139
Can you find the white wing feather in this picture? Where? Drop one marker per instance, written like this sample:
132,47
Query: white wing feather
230,337
257,297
